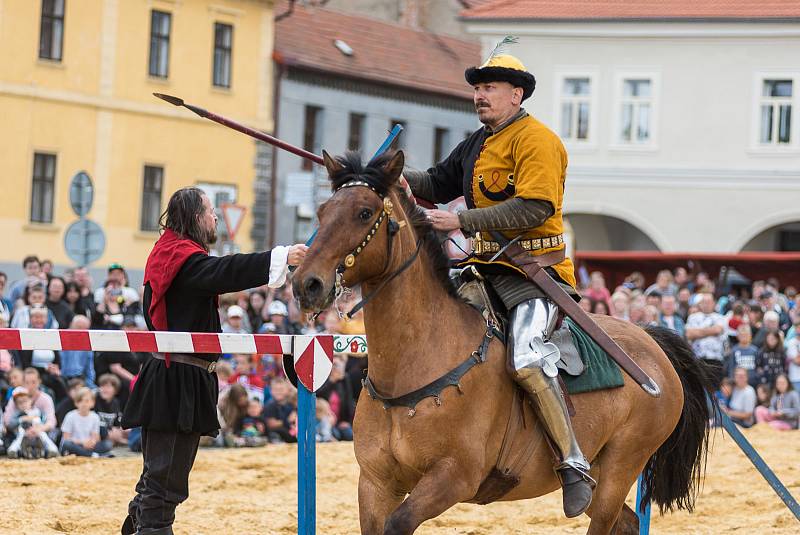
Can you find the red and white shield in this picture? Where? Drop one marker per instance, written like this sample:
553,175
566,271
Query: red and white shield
313,360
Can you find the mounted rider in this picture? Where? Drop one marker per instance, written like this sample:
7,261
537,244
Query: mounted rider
511,173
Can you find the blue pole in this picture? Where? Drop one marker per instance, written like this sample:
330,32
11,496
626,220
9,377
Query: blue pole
644,517
306,461
782,492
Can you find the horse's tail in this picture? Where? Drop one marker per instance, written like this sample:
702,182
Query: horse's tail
672,475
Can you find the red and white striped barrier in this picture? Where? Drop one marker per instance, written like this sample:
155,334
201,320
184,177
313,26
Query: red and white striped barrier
150,341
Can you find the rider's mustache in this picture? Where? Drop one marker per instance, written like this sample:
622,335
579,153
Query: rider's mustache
482,104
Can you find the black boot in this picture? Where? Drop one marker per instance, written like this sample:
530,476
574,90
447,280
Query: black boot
577,491
129,526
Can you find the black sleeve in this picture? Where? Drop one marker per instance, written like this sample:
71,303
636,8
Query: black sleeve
441,183
213,275
57,358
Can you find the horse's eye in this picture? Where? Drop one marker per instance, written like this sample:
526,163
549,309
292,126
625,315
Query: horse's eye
365,214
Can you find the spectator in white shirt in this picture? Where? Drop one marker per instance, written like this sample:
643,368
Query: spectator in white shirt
706,332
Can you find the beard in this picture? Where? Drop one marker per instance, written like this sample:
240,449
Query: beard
211,237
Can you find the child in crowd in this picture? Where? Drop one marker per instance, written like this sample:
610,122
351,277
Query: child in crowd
744,354
224,373
763,395
14,378
29,443
252,427
784,408
278,412
231,409
326,421
247,376
771,360
108,409
81,429
68,403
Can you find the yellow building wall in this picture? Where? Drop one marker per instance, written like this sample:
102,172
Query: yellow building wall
96,112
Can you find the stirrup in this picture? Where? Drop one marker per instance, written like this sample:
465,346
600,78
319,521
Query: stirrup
576,472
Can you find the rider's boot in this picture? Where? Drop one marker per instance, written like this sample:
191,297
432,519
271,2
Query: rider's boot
532,361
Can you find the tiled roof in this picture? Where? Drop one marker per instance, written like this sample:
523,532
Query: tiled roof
588,10
382,52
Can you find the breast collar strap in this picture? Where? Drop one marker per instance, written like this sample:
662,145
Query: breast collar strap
394,227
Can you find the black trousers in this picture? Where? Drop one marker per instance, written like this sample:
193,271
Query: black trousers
164,483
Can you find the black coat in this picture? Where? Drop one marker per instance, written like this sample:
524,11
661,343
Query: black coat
183,398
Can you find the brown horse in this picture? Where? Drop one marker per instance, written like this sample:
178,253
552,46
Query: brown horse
414,468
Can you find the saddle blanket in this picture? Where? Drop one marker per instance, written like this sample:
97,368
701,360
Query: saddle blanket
598,371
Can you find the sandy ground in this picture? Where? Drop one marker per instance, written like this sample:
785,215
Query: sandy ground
254,491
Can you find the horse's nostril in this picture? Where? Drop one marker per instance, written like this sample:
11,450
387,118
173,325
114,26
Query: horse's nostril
313,287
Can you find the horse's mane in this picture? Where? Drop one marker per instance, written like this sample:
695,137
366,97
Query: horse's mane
373,174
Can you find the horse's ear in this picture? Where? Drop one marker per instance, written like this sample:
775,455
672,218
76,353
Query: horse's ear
394,168
331,164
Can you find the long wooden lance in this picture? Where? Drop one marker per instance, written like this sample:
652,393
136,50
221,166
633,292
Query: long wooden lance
224,121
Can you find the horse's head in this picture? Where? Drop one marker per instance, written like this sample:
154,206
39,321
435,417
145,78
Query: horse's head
356,227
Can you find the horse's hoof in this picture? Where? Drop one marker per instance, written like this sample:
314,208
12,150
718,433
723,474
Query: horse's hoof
577,492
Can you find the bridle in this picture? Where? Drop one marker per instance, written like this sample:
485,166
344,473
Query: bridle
350,259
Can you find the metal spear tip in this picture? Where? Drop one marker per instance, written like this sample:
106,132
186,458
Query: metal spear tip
169,98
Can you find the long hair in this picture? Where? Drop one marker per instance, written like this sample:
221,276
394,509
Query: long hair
182,215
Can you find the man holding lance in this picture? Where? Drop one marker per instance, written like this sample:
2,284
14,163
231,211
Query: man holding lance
511,173
174,400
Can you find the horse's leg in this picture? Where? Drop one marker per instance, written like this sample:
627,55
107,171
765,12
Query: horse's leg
627,522
375,503
619,468
443,486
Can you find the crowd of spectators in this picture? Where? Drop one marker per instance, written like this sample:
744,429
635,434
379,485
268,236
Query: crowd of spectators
71,402
748,335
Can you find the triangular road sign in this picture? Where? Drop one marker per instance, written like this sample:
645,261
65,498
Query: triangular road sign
233,214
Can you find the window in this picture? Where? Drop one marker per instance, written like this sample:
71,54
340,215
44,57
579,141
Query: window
44,178
160,23
441,142
776,112
152,186
355,139
400,142
312,133
223,43
575,109
51,31
636,111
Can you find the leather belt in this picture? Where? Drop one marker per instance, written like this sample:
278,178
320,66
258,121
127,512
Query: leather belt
183,358
534,244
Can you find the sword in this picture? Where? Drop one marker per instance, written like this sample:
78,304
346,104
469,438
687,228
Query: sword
565,302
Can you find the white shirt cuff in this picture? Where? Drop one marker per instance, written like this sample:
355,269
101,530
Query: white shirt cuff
278,267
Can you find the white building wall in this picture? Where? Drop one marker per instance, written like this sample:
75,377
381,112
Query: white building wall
704,184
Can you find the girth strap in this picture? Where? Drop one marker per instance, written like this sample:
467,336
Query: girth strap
434,389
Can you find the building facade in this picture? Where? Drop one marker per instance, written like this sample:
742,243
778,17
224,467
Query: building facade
680,119
343,81
76,95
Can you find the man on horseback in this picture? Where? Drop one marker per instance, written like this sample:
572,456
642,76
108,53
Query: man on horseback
511,173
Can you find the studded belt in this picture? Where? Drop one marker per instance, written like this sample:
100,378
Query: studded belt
482,246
